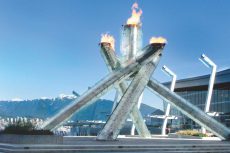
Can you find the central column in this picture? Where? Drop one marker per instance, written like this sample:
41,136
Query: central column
131,40
131,44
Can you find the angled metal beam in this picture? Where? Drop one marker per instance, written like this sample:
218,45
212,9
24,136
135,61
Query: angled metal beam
117,96
100,88
86,99
132,132
189,110
112,62
130,98
136,116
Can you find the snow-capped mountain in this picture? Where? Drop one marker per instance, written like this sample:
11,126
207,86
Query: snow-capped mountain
16,99
64,96
47,107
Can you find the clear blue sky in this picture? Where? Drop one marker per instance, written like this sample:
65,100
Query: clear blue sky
48,47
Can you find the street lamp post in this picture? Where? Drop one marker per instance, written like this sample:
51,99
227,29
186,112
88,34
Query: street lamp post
172,86
210,64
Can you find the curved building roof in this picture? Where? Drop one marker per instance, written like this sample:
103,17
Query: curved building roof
222,80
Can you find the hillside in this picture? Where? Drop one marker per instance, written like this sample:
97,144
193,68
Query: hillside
45,108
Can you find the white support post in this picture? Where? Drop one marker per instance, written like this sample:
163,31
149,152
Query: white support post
172,86
210,64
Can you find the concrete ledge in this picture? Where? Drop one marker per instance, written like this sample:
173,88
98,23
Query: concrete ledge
127,145
30,139
134,145
173,135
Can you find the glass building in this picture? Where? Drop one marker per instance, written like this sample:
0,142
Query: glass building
195,91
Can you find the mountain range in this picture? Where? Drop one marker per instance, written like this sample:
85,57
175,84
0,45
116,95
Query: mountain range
44,108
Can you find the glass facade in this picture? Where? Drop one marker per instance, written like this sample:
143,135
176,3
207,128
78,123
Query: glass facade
220,103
